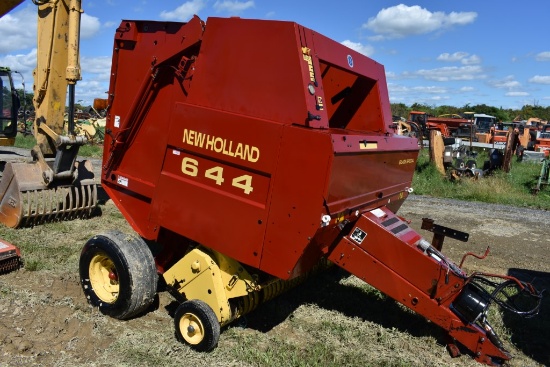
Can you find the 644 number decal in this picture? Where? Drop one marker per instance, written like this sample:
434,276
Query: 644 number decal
190,167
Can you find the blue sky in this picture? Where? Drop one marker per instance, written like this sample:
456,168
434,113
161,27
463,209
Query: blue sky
434,52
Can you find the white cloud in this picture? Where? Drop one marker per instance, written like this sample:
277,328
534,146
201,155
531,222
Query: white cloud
185,11
362,49
24,64
472,60
540,79
18,30
454,57
89,26
430,89
543,56
402,20
507,83
462,57
395,88
439,98
100,66
449,73
233,7
467,89
516,94
89,89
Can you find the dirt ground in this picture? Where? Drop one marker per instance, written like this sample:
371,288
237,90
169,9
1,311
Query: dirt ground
45,319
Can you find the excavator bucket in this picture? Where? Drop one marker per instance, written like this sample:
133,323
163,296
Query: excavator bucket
25,199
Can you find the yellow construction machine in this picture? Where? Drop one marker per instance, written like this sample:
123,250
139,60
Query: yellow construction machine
54,186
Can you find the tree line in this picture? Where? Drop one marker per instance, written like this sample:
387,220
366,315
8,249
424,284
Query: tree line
504,115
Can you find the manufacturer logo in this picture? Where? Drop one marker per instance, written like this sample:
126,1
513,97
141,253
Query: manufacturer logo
350,61
406,161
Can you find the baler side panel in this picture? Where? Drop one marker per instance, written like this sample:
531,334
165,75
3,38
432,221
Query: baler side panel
215,183
299,191
137,46
370,171
252,68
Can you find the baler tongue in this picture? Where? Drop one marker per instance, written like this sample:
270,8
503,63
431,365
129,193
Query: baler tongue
26,200
382,250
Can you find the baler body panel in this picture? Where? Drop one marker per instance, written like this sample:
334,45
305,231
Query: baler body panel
251,68
242,134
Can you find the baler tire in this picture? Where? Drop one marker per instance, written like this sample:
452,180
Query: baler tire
197,325
124,275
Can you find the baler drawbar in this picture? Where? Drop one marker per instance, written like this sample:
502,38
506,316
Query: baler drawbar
248,154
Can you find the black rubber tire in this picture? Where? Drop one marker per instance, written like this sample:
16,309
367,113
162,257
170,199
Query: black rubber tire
210,327
135,270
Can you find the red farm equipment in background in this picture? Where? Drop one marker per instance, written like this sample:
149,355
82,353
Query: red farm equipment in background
248,153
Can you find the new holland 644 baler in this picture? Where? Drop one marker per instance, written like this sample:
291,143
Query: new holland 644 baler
248,153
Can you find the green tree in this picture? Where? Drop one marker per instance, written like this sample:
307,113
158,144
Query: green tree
26,99
400,109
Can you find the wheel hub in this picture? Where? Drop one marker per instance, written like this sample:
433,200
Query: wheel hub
104,278
193,329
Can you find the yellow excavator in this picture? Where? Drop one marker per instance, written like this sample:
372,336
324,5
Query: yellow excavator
54,186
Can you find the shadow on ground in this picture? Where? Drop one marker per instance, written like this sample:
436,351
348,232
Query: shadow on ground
325,291
532,335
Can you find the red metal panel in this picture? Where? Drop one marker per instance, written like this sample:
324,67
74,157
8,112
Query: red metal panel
299,192
192,200
370,169
253,68
215,182
138,45
239,140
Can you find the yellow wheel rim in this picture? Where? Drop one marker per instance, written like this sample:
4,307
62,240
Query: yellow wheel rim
103,278
191,329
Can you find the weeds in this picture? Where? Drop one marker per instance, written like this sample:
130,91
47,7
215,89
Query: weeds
513,188
28,142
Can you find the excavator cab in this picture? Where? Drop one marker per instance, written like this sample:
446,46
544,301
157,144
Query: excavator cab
9,107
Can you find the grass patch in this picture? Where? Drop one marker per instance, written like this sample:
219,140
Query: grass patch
28,142
513,188
25,141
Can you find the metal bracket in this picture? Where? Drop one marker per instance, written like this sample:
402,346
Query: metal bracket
440,232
